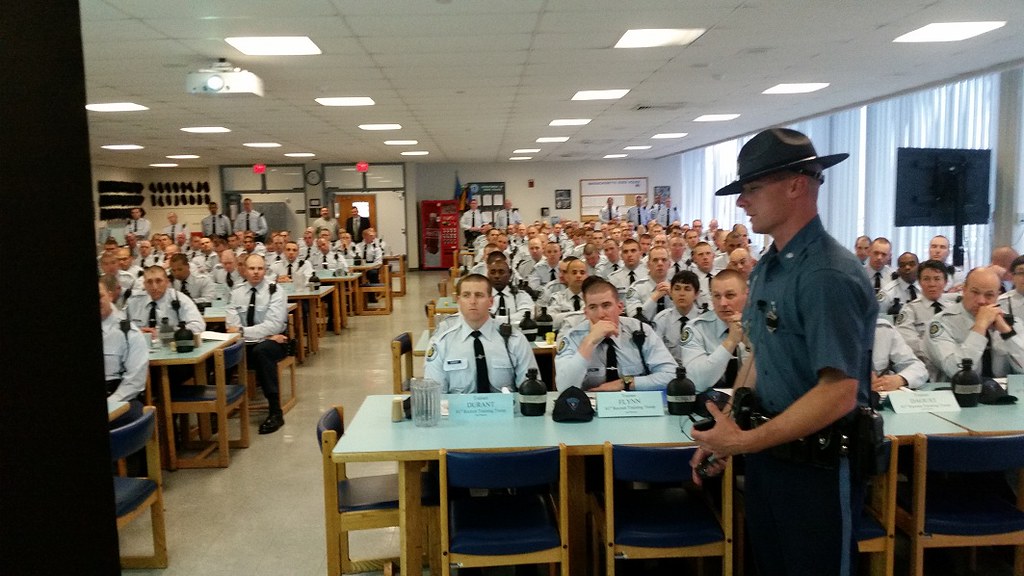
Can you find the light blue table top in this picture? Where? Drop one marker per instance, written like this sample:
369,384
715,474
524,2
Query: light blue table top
306,292
371,436
992,419
167,356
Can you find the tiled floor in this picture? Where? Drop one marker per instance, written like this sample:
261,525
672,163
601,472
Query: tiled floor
263,515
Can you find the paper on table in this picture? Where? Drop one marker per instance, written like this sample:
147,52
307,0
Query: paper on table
210,335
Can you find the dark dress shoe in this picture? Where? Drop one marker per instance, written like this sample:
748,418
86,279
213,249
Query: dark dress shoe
272,424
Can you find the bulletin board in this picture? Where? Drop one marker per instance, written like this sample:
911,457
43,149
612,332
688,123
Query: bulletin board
594,194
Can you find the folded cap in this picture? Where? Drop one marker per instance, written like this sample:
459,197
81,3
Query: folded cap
993,393
572,405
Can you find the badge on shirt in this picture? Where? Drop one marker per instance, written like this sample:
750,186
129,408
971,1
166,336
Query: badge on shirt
458,364
431,352
880,296
687,334
901,317
935,329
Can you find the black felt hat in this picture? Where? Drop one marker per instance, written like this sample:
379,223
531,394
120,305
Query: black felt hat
775,150
572,405
993,393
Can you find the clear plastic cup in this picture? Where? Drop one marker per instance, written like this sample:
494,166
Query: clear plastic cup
426,402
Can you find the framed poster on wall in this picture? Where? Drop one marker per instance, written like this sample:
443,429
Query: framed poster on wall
563,199
595,192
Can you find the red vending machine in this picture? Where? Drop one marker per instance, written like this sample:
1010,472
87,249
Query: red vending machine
439,236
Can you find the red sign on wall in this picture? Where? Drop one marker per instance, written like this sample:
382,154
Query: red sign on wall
362,166
259,168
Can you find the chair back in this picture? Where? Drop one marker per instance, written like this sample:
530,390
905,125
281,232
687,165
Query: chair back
494,470
332,419
645,464
233,354
132,437
974,453
404,341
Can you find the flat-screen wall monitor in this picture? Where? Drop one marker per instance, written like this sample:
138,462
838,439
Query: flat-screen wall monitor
931,182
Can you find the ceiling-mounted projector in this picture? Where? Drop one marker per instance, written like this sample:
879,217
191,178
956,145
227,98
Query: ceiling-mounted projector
223,78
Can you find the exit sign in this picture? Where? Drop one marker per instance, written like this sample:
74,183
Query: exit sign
362,166
259,168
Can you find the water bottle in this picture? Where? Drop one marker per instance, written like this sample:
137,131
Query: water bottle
314,282
184,341
166,332
681,394
528,327
966,384
533,395
545,323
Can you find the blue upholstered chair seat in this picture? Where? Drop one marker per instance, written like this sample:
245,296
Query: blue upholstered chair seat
206,393
869,528
129,493
663,518
528,524
974,513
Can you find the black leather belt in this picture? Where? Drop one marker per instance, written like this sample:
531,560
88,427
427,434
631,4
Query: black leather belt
823,449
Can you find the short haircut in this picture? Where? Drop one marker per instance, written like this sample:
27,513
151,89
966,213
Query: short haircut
155,270
473,278
590,248
686,277
179,259
109,282
629,241
882,239
108,258
699,244
933,265
730,273
496,256
596,284
1018,261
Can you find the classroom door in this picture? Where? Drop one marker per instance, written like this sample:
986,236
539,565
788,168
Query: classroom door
365,203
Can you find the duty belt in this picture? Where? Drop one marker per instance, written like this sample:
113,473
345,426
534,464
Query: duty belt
823,448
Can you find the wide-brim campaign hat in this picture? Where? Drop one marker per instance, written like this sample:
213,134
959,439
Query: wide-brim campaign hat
775,150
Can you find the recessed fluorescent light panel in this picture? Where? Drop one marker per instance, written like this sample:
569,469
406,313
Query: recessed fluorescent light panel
637,148
949,31
521,158
415,153
651,37
600,94
716,117
274,45
206,130
380,126
615,155
163,165
122,147
261,145
300,154
570,122
401,142
526,150
669,135
346,101
116,107
552,139
803,88
182,157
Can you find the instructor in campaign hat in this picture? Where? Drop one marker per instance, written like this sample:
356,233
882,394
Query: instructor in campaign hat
810,317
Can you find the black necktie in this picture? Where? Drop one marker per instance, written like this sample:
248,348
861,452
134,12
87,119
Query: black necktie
913,292
552,274
135,226
472,215
682,326
364,252
661,304
229,280
508,218
289,269
638,217
632,277
152,314
483,380
576,302
937,307
986,357
676,266
250,315
184,288
246,221
173,235
878,281
611,361
502,311
615,267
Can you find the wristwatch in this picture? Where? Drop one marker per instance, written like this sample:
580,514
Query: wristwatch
627,382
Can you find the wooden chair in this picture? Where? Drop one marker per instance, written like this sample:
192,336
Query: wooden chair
257,403
401,355
941,513
528,526
221,400
363,503
671,519
135,495
876,534
382,290
399,272
430,309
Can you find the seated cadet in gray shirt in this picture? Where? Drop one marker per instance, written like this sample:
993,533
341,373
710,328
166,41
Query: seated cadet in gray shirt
510,305
714,344
670,324
650,295
197,287
566,308
609,352
125,356
547,294
632,268
468,354
976,329
913,319
893,364
158,301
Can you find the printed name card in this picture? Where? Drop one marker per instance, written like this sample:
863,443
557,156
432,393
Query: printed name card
905,402
476,407
621,404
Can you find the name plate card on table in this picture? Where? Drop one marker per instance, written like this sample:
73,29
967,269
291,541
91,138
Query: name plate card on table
623,404
906,402
477,407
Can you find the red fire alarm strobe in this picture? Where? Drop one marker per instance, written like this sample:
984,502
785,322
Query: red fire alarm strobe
259,168
362,166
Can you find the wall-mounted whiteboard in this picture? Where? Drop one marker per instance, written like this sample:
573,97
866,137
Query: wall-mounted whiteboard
594,193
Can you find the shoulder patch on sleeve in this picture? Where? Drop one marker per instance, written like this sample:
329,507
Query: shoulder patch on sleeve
935,329
880,296
631,293
561,344
687,335
431,352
